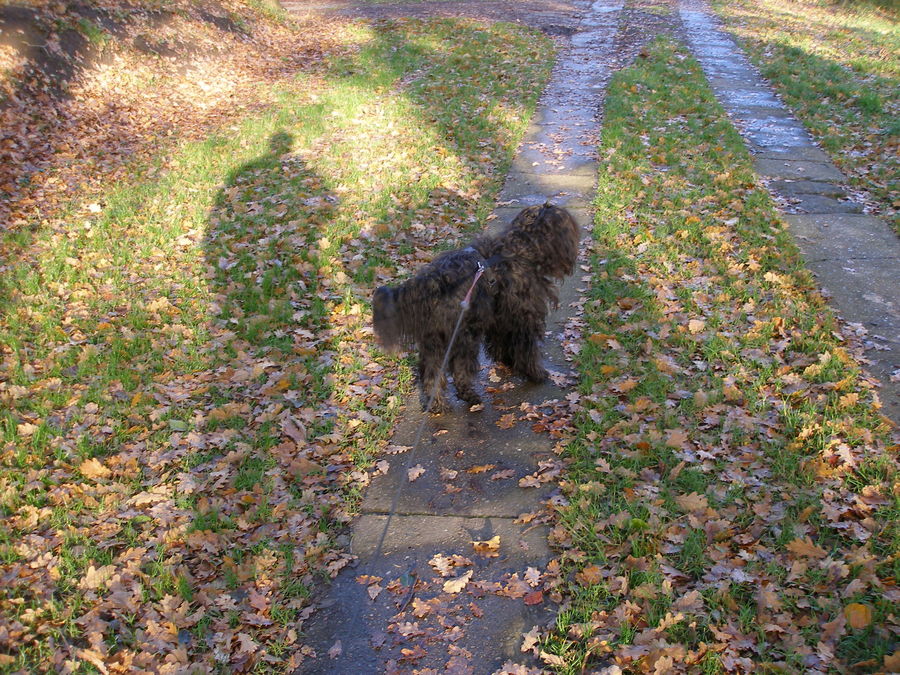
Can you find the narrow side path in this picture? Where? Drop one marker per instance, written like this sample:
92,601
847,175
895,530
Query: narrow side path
855,257
421,595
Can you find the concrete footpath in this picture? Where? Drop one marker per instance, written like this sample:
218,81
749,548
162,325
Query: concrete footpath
855,257
409,532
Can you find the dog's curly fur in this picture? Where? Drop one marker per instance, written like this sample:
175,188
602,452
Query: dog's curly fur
508,308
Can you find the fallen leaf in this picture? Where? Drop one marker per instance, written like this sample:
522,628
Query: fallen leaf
858,615
456,585
590,575
530,639
489,547
481,468
534,598
732,393
805,548
692,503
696,325
294,430
415,472
93,468
506,421
96,577
246,644
336,649
892,662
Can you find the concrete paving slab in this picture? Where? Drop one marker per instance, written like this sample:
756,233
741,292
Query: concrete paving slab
807,203
416,539
800,169
772,131
527,189
837,236
807,153
795,188
472,466
747,97
362,624
567,158
565,114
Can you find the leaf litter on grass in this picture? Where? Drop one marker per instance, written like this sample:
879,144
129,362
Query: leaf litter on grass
194,399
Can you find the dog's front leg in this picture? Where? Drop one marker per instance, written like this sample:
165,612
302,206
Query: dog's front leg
464,367
432,381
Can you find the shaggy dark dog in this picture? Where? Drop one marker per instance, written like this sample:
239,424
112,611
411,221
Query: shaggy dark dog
507,310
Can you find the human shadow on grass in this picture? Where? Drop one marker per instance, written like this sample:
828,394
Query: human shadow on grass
264,249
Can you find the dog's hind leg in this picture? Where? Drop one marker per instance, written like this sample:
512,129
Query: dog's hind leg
528,361
519,350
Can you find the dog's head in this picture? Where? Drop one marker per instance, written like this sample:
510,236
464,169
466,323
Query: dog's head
547,236
386,319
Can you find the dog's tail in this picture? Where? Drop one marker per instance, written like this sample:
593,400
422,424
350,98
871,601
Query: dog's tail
386,319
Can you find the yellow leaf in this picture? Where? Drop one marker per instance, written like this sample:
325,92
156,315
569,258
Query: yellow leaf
858,615
696,325
95,578
848,400
93,468
892,662
625,386
488,547
457,584
481,468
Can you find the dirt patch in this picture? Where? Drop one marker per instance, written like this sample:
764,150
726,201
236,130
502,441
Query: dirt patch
85,91
552,17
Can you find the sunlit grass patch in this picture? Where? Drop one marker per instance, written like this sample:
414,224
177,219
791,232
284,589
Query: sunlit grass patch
837,67
726,422
192,396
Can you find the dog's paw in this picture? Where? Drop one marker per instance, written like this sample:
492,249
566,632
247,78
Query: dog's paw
537,375
469,396
438,406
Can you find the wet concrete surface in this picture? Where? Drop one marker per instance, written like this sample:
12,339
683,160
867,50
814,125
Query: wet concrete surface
473,460
855,257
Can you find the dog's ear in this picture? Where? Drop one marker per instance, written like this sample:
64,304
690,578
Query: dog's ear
385,318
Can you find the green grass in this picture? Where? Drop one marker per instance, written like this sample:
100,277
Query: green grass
837,67
716,391
191,393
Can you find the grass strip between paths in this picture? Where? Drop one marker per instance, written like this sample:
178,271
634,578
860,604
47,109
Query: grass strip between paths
191,398
732,499
837,65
